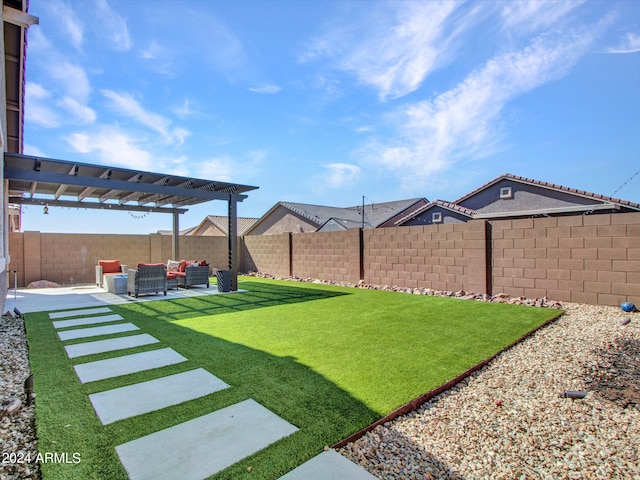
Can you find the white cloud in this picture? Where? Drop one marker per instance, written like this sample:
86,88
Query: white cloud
184,110
126,105
113,26
629,43
270,89
394,48
217,168
73,27
113,147
530,15
341,174
79,111
37,110
33,150
464,122
72,78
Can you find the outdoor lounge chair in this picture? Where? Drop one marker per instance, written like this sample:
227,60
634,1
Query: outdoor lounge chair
148,278
108,267
194,274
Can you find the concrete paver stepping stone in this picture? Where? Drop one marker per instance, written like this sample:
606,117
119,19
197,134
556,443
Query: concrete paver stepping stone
139,398
75,313
126,364
199,448
329,464
76,322
96,331
109,345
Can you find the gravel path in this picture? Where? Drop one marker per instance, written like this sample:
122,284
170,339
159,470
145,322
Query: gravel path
18,441
507,421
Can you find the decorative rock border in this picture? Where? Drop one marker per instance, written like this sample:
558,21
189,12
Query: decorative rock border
482,297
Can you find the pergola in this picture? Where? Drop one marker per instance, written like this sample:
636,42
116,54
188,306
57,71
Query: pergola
59,183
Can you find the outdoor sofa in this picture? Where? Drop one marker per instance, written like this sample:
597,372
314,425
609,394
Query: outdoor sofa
187,273
147,278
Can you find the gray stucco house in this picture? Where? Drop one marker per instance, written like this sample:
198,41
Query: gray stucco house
512,196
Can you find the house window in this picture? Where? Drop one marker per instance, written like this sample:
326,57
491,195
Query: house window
436,217
505,192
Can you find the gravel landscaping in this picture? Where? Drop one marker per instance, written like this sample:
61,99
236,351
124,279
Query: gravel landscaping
510,420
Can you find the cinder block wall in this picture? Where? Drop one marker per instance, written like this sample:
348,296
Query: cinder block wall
214,249
72,258
591,259
440,257
333,256
267,253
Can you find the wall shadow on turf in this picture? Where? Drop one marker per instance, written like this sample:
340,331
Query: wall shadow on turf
258,295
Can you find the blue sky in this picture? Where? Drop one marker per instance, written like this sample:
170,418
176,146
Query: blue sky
326,101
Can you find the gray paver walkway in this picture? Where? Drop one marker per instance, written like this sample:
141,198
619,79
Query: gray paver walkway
96,331
137,362
75,313
109,345
76,322
198,448
139,398
329,465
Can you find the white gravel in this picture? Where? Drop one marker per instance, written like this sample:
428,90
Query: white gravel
509,420
18,443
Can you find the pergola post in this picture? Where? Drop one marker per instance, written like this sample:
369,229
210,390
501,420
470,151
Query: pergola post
233,241
175,236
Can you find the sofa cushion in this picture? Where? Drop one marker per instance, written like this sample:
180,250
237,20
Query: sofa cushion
110,266
183,264
150,265
172,275
173,266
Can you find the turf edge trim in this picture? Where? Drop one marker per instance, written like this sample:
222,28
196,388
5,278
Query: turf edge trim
417,402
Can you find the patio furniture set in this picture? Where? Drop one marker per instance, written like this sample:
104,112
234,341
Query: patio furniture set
151,277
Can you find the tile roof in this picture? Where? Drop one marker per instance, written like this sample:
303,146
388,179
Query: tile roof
374,214
437,203
222,222
552,186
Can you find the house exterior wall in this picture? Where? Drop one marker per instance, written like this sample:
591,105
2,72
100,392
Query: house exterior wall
283,220
524,197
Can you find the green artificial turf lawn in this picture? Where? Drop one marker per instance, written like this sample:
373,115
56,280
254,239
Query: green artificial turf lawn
329,360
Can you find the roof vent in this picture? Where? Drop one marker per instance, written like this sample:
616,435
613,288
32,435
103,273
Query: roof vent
506,192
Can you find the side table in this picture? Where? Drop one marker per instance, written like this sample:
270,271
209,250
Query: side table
116,284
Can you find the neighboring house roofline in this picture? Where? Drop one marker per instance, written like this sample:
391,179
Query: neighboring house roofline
550,186
438,203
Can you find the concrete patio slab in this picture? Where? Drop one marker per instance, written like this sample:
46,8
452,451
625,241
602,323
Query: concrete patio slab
75,313
30,300
96,331
109,345
118,366
329,465
132,400
76,322
199,448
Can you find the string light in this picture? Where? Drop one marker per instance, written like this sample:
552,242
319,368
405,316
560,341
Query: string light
138,217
